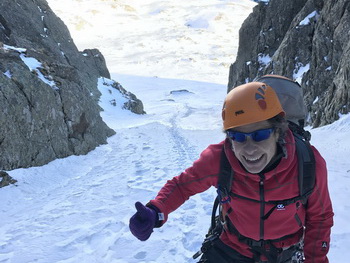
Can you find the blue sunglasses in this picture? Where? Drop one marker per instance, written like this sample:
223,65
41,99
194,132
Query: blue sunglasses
257,136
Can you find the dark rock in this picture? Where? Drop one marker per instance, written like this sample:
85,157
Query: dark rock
133,104
305,40
48,89
97,61
180,91
6,179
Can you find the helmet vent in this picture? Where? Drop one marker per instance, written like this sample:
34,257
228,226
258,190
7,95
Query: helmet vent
239,112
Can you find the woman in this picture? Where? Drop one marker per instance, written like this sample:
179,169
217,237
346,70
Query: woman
261,150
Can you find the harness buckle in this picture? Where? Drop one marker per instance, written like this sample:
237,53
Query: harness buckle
254,243
224,196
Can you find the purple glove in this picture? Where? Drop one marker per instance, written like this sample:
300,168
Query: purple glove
142,222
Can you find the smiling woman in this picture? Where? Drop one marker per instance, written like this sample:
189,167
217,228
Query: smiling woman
263,208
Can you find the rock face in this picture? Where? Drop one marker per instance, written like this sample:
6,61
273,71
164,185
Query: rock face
48,89
6,179
306,40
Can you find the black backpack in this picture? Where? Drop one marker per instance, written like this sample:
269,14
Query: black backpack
289,93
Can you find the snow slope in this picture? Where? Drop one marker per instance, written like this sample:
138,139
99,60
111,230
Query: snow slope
77,209
196,40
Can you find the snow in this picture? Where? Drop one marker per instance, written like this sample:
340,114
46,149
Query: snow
264,59
77,209
20,50
262,1
159,37
300,71
307,19
34,65
8,74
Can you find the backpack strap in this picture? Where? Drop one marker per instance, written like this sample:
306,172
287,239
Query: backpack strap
298,130
213,214
225,179
306,166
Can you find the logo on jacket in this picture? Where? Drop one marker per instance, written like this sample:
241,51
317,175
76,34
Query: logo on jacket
281,207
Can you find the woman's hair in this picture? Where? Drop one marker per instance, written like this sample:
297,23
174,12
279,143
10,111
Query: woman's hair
281,127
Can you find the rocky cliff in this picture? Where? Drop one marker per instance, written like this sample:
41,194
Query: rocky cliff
48,89
306,40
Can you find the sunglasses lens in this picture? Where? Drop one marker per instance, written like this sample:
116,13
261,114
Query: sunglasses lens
240,137
261,135
257,136
237,136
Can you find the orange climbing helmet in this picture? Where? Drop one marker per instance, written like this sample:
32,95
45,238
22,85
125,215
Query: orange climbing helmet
249,103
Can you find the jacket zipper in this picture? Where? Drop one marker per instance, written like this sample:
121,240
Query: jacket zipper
262,205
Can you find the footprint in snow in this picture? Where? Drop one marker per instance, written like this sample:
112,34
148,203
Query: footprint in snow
208,197
146,147
192,241
191,204
141,255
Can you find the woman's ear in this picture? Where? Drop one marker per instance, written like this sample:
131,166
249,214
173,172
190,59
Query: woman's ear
231,141
277,134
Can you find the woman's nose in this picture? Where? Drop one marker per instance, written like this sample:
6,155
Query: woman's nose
250,146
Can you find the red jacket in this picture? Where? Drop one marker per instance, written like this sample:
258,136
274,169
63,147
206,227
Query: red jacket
279,184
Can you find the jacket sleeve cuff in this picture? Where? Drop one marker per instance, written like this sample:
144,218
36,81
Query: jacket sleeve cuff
160,216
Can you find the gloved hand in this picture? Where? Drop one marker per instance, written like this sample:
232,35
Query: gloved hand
142,222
